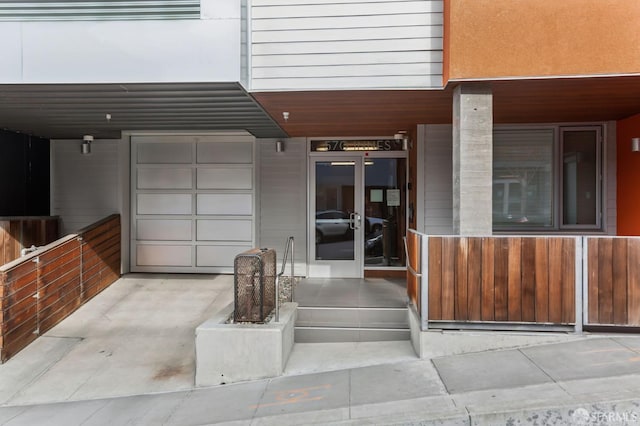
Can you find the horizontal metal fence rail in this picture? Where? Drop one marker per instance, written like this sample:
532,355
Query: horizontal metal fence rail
42,10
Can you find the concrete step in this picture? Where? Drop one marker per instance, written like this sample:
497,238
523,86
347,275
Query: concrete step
333,324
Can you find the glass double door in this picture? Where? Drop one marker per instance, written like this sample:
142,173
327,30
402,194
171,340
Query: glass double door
358,214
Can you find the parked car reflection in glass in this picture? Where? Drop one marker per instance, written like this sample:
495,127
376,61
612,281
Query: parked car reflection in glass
332,225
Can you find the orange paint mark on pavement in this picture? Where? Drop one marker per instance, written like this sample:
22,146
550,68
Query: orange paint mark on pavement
294,396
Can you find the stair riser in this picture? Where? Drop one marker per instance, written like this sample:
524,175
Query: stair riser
357,318
323,335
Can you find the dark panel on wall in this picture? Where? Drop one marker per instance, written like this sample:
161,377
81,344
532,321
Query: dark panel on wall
24,175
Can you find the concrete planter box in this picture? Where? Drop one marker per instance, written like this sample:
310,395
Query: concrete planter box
227,353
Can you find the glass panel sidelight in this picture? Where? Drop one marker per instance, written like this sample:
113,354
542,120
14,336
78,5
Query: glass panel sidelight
384,211
580,177
335,210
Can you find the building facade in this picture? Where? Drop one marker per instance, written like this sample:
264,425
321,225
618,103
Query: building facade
224,125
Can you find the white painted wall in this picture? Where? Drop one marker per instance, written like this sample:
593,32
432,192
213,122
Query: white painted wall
125,51
333,44
282,198
85,188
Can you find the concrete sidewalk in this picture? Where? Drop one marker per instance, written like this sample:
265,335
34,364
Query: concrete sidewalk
127,357
589,381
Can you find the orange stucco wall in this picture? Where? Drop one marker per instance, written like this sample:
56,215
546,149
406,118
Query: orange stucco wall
628,178
524,38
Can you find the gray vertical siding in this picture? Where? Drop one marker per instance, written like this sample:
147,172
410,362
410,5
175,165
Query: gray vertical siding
610,169
333,44
438,184
282,180
84,188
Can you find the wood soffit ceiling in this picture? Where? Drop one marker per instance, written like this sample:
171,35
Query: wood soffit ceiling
69,111
380,112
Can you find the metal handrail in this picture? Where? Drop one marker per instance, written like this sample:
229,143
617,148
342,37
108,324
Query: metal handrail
288,252
406,251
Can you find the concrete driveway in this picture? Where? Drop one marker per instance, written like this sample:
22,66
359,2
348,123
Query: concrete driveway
135,337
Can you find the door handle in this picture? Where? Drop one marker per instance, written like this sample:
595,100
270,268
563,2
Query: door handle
354,221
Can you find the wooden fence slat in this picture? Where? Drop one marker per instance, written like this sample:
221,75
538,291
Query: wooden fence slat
474,279
515,279
460,279
633,263
93,266
605,281
542,280
593,274
488,283
528,279
501,278
435,278
555,280
448,278
619,285
568,280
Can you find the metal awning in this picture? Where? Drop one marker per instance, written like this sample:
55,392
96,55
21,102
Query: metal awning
69,111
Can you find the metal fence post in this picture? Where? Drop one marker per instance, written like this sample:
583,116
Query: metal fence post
579,284
585,281
424,282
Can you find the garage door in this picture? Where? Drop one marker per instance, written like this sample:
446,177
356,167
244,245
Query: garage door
192,202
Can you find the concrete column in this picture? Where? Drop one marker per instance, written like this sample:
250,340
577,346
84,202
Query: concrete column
472,159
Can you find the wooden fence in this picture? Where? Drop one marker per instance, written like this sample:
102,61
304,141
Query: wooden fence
41,289
549,281
505,279
613,281
414,268
17,233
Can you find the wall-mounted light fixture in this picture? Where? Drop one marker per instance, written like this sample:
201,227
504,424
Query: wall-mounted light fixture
85,148
635,144
279,146
402,135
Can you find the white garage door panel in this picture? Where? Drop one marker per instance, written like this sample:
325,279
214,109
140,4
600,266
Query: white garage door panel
164,204
225,230
225,153
163,255
164,153
165,178
192,201
225,178
225,204
218,255
163,230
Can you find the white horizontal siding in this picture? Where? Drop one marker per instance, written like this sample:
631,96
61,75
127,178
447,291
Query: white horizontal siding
432,59
275,9
347,22
85,187
414,31
302,45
